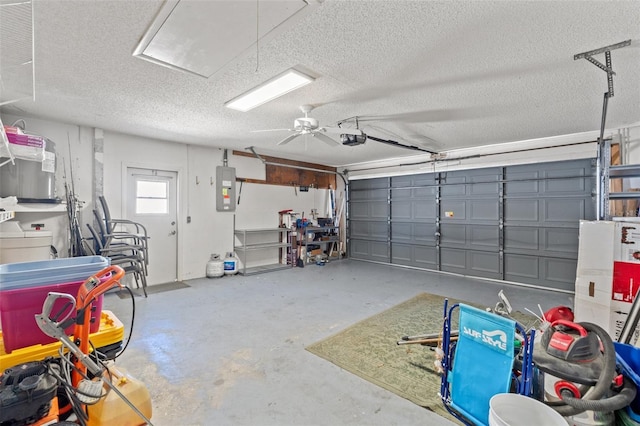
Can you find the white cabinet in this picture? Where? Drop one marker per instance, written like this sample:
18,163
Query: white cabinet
262,250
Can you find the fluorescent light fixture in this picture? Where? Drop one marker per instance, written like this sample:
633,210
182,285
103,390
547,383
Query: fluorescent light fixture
284,83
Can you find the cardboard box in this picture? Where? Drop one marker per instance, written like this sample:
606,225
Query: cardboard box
586,310
627,248
608,274
596,289
626,281
595,247
619,315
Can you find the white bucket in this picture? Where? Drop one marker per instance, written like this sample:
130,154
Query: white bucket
512,409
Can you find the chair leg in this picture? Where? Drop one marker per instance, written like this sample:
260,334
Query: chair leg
144,283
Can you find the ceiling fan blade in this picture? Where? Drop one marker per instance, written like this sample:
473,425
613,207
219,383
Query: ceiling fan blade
288,139
272,130
326,139
341,131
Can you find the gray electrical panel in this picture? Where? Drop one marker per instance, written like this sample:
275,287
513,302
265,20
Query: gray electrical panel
225,189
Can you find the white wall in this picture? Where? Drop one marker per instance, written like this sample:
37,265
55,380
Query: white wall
71,142
209,231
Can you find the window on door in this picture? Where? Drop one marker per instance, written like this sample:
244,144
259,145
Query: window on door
152,197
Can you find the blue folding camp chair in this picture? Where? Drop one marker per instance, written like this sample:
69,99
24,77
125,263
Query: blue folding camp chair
481,363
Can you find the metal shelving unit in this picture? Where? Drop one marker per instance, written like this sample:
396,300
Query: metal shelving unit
607,172
262,240
6,215
328,235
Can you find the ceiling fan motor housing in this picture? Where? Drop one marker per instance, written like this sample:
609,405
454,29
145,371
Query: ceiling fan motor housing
305,123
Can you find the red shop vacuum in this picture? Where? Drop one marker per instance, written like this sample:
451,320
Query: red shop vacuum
578,361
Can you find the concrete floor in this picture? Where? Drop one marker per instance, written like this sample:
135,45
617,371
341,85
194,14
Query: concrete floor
230,351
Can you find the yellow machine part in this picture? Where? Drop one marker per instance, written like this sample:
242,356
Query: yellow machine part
111,331
113,410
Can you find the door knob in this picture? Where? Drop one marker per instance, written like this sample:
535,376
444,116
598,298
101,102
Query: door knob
172,232
173,223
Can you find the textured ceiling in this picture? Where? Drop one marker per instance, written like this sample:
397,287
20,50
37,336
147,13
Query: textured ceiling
440,75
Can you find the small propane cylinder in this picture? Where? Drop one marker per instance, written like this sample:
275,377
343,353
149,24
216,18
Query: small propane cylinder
112,410
215,266
230,264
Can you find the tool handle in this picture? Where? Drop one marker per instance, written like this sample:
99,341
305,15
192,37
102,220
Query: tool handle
51,299
570,324
93,287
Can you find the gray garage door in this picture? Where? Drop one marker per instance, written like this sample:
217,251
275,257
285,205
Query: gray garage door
516,223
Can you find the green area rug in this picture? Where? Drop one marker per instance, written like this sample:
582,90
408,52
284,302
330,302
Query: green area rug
369,349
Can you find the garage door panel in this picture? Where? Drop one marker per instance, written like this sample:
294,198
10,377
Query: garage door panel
379,210
559,273
401,210
561,240
570,184
476,237
541,241
484,237
481,210
363,184
369,250
521,268
564,210
424,210
470,262
413,209
453,235
358,210
521,183
425,257
368,229
415,233
483,264
521,238
370,194
537,226
548,272
416,256
453,260
453,210
402,254
521,210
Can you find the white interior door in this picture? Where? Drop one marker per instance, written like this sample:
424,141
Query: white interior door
152,201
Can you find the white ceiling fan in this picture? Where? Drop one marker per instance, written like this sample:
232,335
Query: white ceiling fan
310,126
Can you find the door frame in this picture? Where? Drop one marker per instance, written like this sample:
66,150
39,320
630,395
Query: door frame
125,165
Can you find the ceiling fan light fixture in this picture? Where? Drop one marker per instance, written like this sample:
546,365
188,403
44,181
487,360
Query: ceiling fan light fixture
269,90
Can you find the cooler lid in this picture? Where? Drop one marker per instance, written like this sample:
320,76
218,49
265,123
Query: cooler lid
37,234
11,229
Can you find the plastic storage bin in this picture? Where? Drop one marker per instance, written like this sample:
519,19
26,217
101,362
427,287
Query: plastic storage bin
18,308
628,358
24,286
47,272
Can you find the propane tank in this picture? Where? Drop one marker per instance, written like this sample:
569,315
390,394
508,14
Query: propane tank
112,410
230,264
215,266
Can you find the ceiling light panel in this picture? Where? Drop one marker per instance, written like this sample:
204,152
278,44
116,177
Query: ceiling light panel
202,37
269,90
